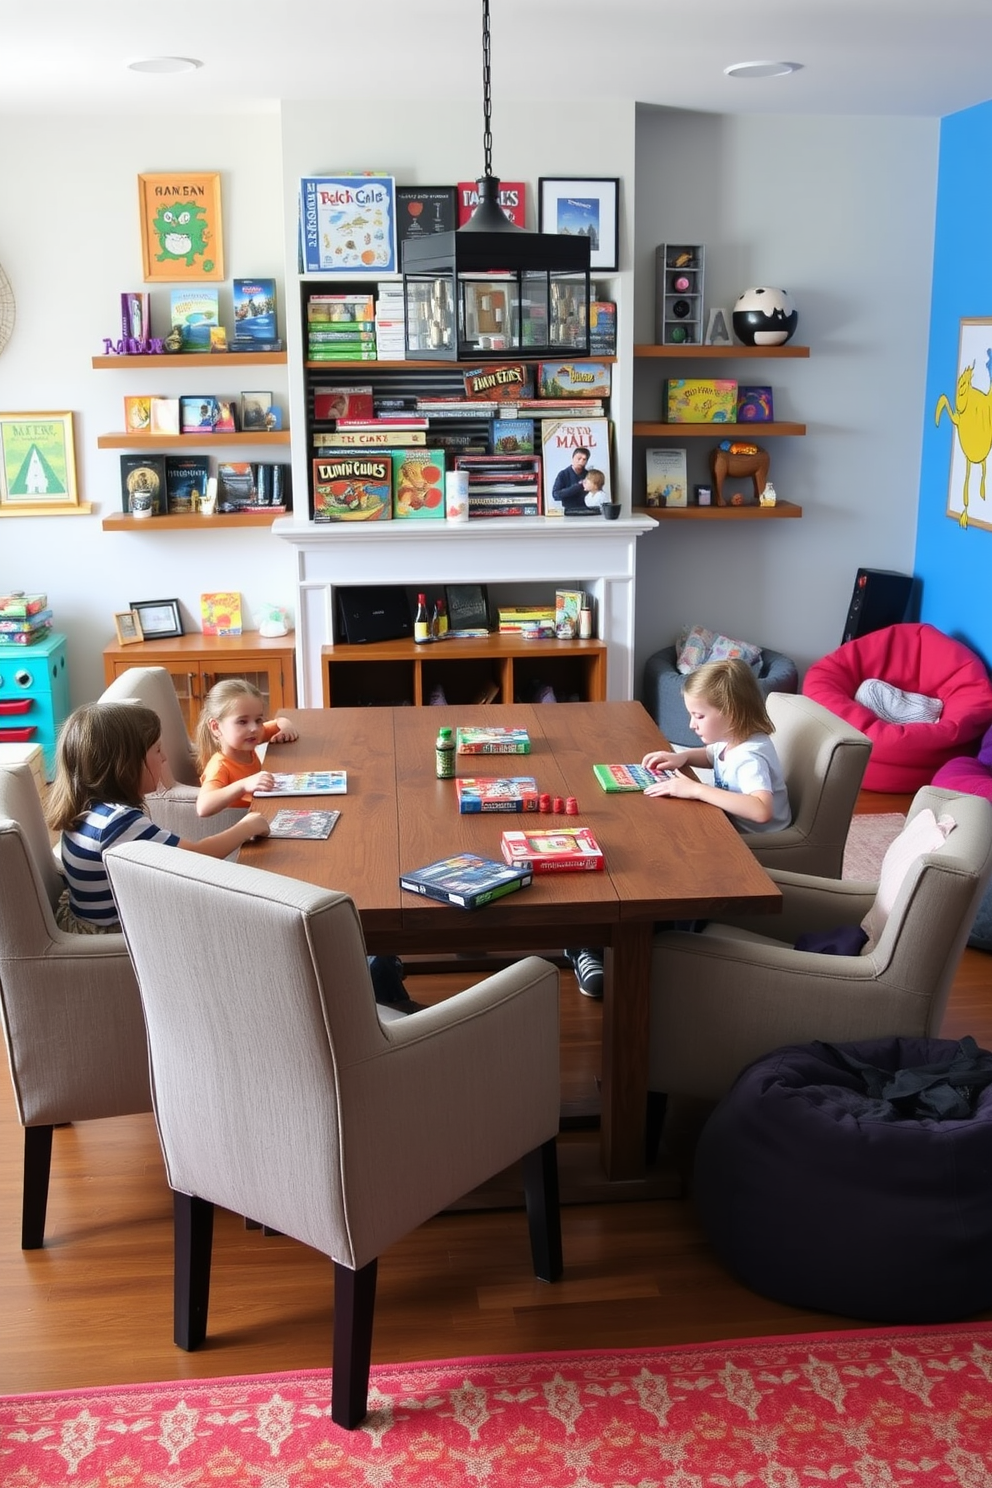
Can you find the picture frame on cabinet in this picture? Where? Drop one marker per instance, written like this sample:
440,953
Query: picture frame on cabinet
718,327
591,206
127,624
181,228
38,466
159,618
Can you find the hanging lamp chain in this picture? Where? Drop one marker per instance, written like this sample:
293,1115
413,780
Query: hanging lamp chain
487,92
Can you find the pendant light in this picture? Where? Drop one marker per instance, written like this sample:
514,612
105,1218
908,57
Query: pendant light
492,290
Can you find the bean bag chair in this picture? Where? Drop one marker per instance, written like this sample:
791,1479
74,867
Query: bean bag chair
663,687
856,1178
913,658
973,775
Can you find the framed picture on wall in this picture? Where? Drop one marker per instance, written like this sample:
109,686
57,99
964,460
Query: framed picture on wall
38,466
181,235
573,205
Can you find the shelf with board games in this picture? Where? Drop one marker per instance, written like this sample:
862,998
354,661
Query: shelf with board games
751,431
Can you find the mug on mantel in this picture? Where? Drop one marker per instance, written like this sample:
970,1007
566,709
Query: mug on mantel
456,495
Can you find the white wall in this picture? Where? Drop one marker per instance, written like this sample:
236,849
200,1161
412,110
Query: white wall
840,212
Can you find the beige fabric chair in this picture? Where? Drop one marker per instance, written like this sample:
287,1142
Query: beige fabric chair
721,999
173,808
279,1093
71,1014
824,760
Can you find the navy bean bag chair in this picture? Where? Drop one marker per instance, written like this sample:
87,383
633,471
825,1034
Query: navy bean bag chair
856,1178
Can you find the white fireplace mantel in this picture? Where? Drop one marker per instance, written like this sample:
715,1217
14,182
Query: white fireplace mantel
589,553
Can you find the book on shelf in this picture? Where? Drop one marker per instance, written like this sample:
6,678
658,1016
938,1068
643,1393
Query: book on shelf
235,484
603,328
492,741
343,402
422,211
220,613
163,415
503,382
507,509
512,436
418,485
245,344
466,880
308,783
353,488
255,309
574,379
496,793
194,311
340,308
564,849
369,439
186,479
303,824
344,353
512,199
348,222
198,414
137,414
666,482
136,322
143,485
577,407
385,421
626,777
568,608
560,438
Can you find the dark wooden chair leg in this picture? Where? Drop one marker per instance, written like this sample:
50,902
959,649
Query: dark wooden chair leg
354,1308
193,1228
543,1210
657,1106
34,1199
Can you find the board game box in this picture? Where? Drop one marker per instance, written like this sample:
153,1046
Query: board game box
565,850
309,783
492,741
303,824
466,880
627,777
495,793
353,488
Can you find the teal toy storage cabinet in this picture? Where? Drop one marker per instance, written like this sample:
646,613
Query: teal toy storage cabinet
34,695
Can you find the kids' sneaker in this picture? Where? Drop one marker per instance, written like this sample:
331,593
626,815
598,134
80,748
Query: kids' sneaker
588,968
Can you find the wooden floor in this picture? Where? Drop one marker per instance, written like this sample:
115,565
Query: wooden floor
95,1306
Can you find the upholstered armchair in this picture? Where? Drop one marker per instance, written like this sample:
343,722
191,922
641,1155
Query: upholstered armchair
71,1014
172,807
722,998
824,760
280,1093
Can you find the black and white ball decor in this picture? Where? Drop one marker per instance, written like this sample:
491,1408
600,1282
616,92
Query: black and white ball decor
765,317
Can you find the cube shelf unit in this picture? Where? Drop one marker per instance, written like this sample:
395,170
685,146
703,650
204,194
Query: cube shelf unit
499,668
678,294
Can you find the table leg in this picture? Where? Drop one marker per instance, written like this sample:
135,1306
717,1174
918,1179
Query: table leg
626,1006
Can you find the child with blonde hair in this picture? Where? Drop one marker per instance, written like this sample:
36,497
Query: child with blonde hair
232,724
109,758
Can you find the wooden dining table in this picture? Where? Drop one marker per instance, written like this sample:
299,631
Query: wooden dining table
665,859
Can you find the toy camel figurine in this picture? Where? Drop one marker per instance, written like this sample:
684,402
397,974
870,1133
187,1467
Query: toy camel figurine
732,458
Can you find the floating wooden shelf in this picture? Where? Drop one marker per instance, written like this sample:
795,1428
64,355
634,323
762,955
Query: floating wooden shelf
220,522
720,513
753,433
178,359
186,441
438,365
721,353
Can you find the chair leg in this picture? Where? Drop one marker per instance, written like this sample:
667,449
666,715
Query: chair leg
354,1308
193,1229
657,1106
34,1200
543,1210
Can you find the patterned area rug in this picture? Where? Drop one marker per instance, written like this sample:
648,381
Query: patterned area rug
902,1406
867,840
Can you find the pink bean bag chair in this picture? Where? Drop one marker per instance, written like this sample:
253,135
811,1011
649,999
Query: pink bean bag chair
916,659
972,774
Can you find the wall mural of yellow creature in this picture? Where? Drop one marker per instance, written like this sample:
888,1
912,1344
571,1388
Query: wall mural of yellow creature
971,415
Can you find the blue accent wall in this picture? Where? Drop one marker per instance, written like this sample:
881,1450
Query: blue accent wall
955,565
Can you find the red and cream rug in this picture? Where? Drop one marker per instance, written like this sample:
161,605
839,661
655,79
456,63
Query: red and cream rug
896,1408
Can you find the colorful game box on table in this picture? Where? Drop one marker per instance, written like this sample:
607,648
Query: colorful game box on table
492,793
626,777
492,741
309,783
565,850
700,400
466,880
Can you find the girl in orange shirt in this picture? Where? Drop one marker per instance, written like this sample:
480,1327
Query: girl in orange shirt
232,724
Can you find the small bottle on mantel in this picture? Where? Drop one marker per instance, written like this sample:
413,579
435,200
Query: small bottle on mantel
439,622
444,755
421,624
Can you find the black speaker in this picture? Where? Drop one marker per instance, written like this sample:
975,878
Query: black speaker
374,614
880,598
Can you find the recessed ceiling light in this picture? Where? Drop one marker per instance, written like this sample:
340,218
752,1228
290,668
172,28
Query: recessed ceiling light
761,69
165,64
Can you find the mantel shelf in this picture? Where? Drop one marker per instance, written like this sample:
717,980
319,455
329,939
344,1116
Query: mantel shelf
751,432
721,353
439,364
187,441
220,522
175,360
781,509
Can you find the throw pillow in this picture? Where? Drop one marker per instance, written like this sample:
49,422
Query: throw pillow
699,645
893,705
924,834
985,753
